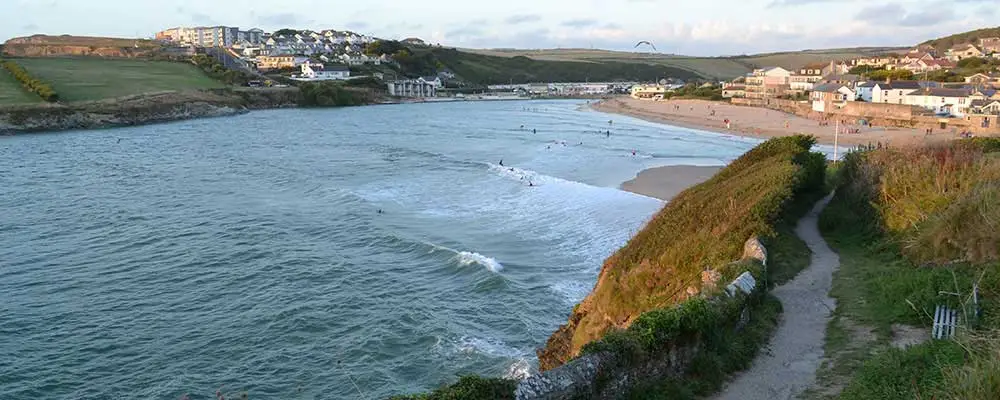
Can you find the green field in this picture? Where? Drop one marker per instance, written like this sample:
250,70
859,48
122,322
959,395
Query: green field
11,91
81,79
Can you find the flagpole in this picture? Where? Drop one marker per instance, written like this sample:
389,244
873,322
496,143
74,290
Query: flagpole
836,137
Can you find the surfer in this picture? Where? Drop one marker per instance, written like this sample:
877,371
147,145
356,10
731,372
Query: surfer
609,133
530,183
633,152
522,127
501,162
119,140
533,130
380,211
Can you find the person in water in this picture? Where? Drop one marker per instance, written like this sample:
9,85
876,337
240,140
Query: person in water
501,162
530,183
533,130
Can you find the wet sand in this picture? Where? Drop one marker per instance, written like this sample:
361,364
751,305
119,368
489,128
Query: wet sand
666,182
757,122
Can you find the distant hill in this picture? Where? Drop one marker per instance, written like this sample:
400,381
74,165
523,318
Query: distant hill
971,37
705,67
478,68
67,45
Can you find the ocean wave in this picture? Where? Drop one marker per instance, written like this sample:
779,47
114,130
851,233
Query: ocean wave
490,347
520,369
467,258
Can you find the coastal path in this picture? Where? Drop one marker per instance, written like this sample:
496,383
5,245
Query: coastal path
788,366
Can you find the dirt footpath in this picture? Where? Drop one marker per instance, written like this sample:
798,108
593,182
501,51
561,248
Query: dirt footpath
787,367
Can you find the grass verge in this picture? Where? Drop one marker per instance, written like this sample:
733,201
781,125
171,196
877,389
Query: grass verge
886,289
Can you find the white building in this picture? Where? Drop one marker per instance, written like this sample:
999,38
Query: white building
893,92
411,88
319,72
829,96
433,80
865,90
941,101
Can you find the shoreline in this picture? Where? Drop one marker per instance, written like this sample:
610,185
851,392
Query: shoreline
757,123
666,182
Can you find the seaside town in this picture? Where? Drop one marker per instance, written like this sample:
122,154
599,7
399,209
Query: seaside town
957,89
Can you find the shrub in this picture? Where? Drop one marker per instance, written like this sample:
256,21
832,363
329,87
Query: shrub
470,388
30,83
938,204
327,94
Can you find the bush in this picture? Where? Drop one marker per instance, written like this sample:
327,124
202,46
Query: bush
42,89
470,388
327,94
938,204
216,70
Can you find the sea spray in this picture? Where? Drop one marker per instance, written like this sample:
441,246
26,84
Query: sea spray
467,258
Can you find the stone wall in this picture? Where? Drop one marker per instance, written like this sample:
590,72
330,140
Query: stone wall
604,376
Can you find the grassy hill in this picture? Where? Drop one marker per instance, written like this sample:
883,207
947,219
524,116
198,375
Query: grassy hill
971,37
705,67
485,69
81,79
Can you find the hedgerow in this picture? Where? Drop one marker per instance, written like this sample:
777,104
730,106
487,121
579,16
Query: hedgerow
32,84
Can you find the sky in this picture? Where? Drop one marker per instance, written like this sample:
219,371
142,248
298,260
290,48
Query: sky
689,27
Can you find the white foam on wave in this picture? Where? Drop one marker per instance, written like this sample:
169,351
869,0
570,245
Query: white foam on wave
468,258
572,291
490,347
520,369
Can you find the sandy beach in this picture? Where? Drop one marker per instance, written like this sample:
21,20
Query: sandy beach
756,122
666,182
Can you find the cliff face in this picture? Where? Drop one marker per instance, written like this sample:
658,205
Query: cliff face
141,109
686,243
47,46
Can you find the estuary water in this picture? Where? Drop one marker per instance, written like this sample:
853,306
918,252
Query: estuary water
313,254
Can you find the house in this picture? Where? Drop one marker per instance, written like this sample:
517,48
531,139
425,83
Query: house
648,92
828,96
411,88
433,80
990,107
319,72
921,66
850,80
941,101
983,79
835,68
875,62
963,51
985,94
990,45
893,92
734,90
280,61
768,82
915,56
864,91
803,79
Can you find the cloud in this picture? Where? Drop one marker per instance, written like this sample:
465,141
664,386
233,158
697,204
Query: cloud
357,25
926,17
465,31
580,23
522,19
282,19
793,3
880,12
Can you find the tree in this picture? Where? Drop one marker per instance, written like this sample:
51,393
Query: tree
865,70
896,74
285,32
973,62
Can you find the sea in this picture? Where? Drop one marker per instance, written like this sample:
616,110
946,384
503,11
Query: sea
350,253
